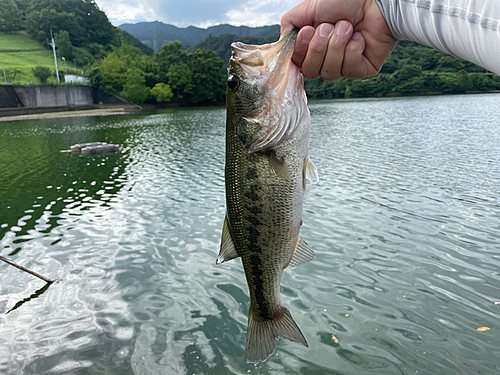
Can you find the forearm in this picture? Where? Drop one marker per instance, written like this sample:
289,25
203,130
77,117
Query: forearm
468,29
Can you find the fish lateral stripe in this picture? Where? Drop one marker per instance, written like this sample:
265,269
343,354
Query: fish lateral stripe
252,174
252,194
260,300
254,210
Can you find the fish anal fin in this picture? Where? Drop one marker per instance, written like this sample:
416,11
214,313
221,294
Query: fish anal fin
278,166
227,249
262,334
302,254
311,171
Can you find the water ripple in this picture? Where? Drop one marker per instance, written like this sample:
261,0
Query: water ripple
404,223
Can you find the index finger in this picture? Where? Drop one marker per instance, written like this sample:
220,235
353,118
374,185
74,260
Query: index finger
296,17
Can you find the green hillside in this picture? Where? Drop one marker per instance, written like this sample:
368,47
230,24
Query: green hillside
20,51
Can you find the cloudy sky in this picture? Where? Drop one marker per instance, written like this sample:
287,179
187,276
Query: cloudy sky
201,13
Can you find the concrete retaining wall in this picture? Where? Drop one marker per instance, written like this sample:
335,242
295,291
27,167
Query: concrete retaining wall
55,96
9,98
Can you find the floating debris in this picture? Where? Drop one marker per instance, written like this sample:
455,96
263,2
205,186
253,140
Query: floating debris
93,148
79,146
483,329
100,149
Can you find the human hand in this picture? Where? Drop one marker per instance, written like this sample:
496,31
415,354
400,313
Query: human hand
339,38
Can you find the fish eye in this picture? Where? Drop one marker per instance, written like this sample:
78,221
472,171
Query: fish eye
233,82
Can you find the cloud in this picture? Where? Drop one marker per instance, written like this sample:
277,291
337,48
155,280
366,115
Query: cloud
259,13
200,13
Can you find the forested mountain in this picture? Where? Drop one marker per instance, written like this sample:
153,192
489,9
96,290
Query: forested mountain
155,34
80,29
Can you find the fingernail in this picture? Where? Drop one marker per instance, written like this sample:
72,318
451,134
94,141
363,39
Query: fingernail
304,40
324,29
341,28
305,37
357,35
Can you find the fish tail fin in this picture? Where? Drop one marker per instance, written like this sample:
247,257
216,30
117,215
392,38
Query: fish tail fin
262,334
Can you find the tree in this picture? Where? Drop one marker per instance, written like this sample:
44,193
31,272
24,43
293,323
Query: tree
179,78
408,71
84,22
42,73
110,74
170,54
63,43
12,73
464,81
448,63
208,78
347,92
10,16
134,89
162,92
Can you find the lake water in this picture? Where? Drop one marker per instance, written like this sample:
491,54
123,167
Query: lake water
405,223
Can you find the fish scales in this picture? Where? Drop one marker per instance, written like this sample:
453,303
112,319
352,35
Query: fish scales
265,185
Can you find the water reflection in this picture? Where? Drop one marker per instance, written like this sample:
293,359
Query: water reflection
36,294
404,222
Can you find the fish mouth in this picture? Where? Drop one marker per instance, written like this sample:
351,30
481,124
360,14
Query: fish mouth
257,61
273,90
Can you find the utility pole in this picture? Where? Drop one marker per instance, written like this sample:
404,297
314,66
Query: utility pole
4,76
53,45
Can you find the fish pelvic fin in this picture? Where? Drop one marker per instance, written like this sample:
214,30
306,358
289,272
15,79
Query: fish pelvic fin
302,254
227,249
262,334
311,171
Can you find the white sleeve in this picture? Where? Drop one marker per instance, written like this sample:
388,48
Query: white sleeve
468,29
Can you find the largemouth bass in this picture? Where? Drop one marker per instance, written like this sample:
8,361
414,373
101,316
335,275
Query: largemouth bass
267,142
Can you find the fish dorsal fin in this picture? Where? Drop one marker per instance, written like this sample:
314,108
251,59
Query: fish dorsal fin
311,171
227,249
302,254
278,166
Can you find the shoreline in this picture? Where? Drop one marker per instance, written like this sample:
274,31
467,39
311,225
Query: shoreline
128,109
110,111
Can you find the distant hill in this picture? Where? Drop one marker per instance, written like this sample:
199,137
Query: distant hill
221,44
130,39
155,34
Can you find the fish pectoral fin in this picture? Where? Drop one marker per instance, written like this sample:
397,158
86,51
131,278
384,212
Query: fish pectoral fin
278,166
227,249
302,254
262,334
311,171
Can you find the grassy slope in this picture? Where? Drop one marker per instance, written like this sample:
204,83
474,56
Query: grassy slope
19,50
